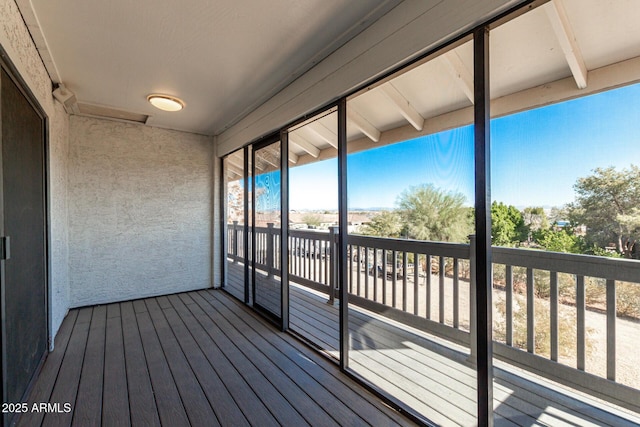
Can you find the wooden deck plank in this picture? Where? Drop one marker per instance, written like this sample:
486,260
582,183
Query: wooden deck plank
322,369
142,403
158,352
279,407
66,387
303,392
88,410
195,402
220,399
244,395
308,309
115,401
170,408
43,387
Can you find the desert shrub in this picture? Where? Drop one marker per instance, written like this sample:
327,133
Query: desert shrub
542,335
628,299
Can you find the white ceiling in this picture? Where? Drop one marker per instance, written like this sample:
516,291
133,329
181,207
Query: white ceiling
222,57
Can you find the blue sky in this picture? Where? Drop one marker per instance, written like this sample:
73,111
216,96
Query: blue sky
537,156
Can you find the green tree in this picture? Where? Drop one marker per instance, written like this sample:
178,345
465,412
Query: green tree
507,225
607,203
312,219
535,218
560,240
383,224
428,213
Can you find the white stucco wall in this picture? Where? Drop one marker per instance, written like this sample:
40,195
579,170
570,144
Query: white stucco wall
17,43
140,203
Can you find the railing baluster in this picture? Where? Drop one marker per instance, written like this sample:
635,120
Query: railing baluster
358,263
456,295
404,281
316,248
235,241
531,321
441,290
509,303
351,269
366,272
611,329
384,276
416,277
428,287
375,274
580,311
553,302
394,279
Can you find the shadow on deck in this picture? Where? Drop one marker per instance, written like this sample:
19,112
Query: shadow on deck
436,378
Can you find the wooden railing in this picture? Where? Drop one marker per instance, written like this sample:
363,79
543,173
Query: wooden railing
429,285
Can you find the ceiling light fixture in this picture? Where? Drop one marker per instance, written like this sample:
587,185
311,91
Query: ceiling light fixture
166,102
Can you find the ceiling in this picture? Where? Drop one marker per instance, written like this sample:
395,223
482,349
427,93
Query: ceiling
223,58
561,50
226,57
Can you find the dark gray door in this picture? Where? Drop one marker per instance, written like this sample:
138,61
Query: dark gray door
23,219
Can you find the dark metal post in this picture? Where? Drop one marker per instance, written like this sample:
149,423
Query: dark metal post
483,226
245,240
284,228
343,222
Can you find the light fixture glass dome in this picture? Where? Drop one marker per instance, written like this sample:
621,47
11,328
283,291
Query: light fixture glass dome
166,102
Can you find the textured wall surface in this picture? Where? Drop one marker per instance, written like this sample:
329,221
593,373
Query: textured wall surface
59,214
140,203
18,45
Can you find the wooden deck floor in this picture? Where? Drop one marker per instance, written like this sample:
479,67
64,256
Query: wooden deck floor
198,358
435,378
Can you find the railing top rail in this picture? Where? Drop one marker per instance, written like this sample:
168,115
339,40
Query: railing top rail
584,265
453,250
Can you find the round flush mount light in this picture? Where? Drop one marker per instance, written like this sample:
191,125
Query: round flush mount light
166,102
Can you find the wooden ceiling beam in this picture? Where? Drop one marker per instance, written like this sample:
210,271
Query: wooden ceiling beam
403,105
363,124
305,145
459,72
566,37
324,133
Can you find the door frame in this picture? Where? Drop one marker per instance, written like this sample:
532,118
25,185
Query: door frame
7,66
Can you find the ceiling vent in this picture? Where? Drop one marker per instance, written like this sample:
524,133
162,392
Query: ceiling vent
111,113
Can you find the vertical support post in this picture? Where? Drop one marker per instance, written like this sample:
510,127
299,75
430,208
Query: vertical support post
580,322
343,222
508,272
456,294
284,230
553,287
248,253
483,225
333,261
611,329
